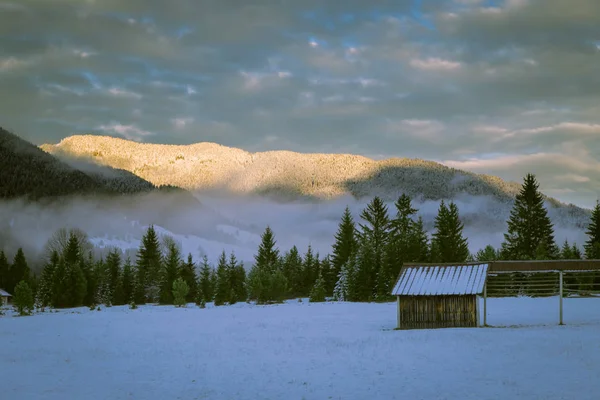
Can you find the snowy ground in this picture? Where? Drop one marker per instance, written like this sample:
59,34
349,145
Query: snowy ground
300,350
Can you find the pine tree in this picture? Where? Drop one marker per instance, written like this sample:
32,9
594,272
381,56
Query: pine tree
488,253
241,292
317,294
267,256
96,280
223,289
4,271
592,245
529,225
205,283
346,285
170,272
401,247
341,286
345,242
236,284
149,266
23,298
292,269
76,283
180,290
575,252
188,274
365,275
19,271
448,241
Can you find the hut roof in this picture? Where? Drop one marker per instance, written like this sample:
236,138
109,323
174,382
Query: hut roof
4,293
430,280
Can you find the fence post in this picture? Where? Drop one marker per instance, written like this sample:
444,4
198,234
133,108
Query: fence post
398,311
485,303
560,288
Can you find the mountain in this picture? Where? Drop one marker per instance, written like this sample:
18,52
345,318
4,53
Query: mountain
203,166
30,172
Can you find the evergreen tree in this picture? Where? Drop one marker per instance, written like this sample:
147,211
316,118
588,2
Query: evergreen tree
170,272
19,271
529,226
317,294
45,290
401,243
128,282
345,243
566,252
205,283
76,283
180,290
236,281
592,245
98,290
223,288
60,286
346,285
4,271
23,298
575,252
266,279
188,274
113,269
309,271
149,266
420,241
488,253
373,243
328,275
292,269
448,241
240,289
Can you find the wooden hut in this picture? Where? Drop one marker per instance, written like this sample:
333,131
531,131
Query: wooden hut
5,297
439,296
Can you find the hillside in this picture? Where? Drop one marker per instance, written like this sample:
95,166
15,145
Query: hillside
283,173
28,171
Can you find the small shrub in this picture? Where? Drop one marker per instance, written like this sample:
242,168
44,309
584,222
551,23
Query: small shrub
133,306
23,299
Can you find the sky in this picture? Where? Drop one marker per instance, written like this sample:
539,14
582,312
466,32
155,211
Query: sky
504,87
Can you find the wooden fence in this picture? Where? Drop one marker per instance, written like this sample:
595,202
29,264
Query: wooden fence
427,312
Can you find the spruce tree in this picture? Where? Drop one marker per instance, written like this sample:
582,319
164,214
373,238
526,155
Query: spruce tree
113,270
267,256
488,253
236,280
592,245
149,266
566,252
420,242
309,266
292,269
180,290
529,225
128,282
205,282
19,271
242,294
170,272
266,278
188,274
76,283
23,298
222,289
448,241
328,275
373,243
4,271
345,242
45,289
317,293
575,252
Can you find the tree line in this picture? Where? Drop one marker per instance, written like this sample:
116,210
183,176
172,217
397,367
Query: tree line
364,263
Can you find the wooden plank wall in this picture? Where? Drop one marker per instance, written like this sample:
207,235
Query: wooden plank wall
427,312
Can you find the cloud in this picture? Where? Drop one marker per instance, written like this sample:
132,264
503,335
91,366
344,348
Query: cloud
506,77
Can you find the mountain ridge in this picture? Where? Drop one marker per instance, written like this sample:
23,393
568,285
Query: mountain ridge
207,165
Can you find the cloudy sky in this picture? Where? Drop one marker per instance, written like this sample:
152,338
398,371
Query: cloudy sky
497,86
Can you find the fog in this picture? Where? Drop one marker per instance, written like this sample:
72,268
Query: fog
222,221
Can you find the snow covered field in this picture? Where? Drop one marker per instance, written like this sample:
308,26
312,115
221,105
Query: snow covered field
300,351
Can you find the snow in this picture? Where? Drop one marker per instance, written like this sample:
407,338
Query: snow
300,350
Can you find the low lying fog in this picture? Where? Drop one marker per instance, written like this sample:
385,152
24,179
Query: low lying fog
229,222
